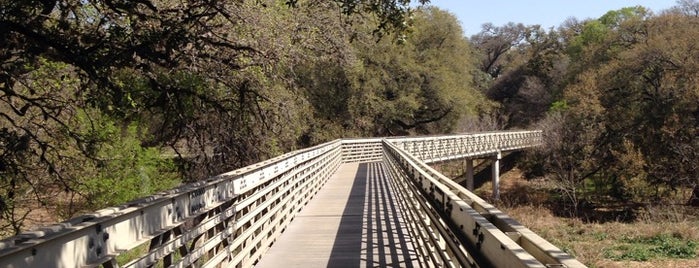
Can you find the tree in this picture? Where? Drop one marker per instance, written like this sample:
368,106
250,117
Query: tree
574,148
495,42
688,7
659,76
526,67
211,80
624,124
417,86
598,41
636,89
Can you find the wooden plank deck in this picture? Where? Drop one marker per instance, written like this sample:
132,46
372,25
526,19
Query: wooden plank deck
353,221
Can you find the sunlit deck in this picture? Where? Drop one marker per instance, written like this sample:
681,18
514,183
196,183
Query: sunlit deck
353,221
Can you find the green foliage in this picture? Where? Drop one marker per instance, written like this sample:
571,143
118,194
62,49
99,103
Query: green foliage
379,87
559,106
661,246
601,39
593,32
527,66
417,87
124,170
615,18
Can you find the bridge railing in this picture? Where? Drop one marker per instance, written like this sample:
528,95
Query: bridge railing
451,147
361,150
231,218
456,228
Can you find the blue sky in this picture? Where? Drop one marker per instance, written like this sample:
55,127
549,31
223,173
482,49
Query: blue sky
547,13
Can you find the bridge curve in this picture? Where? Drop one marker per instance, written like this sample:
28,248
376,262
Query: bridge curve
231,220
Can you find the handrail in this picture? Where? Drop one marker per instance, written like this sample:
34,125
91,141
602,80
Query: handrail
181,216
231,219
470,145
492,237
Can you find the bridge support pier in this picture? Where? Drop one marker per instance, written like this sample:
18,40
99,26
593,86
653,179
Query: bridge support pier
469,174
496,176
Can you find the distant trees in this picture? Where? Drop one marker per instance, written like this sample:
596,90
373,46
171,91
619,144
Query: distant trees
651,84
522,68
622,103
495,43
617,95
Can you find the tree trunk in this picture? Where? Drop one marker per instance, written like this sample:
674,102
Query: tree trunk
694,198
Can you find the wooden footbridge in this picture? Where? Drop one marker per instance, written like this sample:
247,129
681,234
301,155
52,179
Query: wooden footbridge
346,203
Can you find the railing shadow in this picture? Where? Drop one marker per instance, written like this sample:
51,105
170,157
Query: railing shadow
372,232
347,248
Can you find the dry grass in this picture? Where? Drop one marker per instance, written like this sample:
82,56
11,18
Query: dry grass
592,243
39,215
600,244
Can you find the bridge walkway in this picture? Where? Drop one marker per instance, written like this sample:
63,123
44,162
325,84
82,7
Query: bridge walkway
353,221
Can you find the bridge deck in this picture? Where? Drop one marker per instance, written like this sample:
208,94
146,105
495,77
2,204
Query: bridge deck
353,221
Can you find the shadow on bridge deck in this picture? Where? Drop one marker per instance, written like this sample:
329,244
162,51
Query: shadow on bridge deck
353,221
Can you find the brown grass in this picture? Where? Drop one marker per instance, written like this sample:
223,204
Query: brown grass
589,241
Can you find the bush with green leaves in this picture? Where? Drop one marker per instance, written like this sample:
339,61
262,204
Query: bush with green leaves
123,169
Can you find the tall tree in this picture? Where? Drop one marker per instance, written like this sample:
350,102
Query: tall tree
417,86
525,69
495,42
213,80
